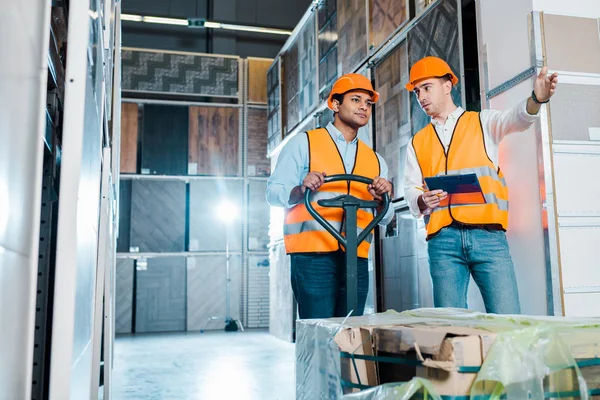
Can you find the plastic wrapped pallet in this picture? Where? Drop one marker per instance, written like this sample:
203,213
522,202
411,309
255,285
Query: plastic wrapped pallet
512,355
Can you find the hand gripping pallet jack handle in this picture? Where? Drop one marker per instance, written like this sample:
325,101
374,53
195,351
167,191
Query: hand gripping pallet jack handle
351,241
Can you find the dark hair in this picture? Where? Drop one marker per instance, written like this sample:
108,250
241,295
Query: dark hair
339,97
446,78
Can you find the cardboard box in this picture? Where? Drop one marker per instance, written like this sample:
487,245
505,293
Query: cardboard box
438,350
442,350
357,341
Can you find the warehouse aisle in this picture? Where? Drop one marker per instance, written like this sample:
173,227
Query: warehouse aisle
215,365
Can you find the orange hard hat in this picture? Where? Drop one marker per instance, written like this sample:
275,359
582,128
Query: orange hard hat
429,67
350,82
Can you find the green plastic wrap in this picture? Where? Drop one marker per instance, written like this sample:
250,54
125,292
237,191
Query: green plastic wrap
519,362
398,391
531,357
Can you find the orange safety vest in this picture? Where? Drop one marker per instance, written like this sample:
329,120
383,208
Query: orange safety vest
302,233
466,154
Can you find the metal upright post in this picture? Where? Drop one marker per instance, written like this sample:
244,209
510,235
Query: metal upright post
228,277
351,261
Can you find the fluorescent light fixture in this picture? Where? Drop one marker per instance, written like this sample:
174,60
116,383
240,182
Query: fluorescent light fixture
133,18
154,20
213,25
246,28
166,21
201,23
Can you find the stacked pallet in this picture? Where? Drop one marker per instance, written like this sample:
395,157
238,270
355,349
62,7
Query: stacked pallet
457,353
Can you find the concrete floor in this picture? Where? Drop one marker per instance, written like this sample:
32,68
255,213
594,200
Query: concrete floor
214,365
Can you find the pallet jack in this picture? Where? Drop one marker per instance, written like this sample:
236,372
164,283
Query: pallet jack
350,240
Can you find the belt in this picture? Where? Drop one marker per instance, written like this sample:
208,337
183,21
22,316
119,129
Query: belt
489,227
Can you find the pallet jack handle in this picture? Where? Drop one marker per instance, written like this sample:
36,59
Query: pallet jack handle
352,240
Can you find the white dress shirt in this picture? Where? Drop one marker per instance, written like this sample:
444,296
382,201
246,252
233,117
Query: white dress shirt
496,125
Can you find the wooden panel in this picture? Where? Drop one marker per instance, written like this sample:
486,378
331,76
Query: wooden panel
165,140
257,163
352,33
206,286
129,137
207,230
161,295
214,141
572,43
158,216
257,79
124,295
258,216
435,35
384,17
393,114
574,109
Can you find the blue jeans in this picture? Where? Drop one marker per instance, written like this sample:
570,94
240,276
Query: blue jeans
455,253
319,284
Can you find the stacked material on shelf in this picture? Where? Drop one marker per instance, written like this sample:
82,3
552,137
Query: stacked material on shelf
459,352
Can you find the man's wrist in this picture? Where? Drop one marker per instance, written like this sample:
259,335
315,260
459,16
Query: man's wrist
536,100
421,203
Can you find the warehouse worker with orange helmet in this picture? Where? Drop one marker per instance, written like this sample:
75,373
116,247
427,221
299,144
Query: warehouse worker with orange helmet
465,237
318,268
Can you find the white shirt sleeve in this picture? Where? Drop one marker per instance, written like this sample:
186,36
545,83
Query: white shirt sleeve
498,124
413,178
290,170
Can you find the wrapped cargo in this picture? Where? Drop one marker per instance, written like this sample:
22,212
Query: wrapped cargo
459,353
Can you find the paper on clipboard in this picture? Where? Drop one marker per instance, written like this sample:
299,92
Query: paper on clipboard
466,185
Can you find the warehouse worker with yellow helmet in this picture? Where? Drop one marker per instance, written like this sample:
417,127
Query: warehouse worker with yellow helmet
318,267
465,237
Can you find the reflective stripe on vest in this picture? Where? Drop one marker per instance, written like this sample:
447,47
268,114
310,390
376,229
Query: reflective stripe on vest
466,154
312,225
302,234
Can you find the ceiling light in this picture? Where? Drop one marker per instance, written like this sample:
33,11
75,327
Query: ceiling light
130,17
214,25
258,29
154,20
202,23
166,21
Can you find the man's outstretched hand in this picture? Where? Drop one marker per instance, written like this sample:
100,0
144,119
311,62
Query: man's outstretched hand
544,85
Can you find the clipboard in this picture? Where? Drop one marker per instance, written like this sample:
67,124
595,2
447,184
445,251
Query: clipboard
455,184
